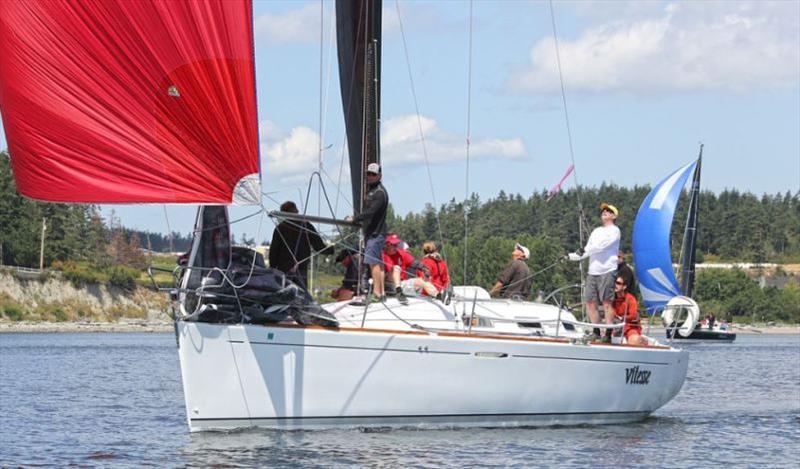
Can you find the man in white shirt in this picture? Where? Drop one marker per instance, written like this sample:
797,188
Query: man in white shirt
601,249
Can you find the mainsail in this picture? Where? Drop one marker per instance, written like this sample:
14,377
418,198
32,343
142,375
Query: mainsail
690,234
120,101
358,31
651,240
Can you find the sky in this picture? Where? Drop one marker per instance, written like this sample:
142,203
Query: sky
645,83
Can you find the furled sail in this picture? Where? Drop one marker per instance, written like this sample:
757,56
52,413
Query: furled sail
651,240
119,101
358,31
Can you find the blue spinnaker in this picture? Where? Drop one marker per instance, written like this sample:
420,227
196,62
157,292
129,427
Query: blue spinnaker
651,236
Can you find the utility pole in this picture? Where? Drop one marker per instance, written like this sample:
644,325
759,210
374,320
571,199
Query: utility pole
41,249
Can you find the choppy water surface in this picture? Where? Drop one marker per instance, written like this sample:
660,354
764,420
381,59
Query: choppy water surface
116,399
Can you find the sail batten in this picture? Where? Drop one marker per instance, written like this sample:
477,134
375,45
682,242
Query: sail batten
130,102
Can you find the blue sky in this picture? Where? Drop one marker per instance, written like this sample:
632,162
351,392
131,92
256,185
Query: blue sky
645,83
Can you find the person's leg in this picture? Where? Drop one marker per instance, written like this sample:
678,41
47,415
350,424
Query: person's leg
398,286
606,290
428,287
377,280
591,296
396,278
591,308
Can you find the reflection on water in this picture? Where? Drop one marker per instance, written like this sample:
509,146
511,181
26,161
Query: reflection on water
116,399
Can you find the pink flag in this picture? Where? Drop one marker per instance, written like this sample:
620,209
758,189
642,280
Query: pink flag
557,188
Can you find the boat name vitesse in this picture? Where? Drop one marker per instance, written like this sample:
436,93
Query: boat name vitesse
636,376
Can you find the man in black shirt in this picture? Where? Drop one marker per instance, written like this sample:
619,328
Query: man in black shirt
373,225
291,246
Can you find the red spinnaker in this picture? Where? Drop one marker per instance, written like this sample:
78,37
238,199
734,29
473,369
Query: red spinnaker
120,101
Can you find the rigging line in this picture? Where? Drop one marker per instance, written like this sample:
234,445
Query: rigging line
169,230
560,260
469,138
232,222
319,147
566,113
581,215
421,133
339,181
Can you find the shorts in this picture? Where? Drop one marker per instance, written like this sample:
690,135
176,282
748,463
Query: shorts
600,288
408,287
374,249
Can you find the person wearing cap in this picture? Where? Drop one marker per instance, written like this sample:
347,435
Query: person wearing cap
402,267
349,259
373,226
601,249
515,280
292,244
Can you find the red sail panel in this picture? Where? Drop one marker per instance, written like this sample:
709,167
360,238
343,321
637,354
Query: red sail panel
119,101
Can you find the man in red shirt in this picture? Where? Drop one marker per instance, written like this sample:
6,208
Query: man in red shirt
399,264
626,309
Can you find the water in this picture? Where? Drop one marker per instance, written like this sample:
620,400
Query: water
116,399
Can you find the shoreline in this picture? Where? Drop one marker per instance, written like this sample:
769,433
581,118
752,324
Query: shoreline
7,327
162,326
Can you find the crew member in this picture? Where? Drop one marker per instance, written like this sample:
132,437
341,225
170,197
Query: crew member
291,246
601,249
515,279
399,264
439,277
626,310
373,226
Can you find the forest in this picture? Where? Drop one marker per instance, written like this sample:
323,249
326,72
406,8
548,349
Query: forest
734,226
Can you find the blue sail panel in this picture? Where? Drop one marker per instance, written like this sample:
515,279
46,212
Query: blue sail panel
651,240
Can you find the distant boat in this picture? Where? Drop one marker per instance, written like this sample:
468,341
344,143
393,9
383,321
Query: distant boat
651,250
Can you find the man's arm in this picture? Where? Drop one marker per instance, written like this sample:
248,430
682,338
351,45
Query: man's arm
316,242
496,288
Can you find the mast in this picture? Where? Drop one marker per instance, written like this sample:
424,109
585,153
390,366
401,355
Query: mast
358,37
690,234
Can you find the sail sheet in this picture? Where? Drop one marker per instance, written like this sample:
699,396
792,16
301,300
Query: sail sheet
651,240
358,36
117,101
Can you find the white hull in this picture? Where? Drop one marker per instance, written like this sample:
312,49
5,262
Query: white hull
311,377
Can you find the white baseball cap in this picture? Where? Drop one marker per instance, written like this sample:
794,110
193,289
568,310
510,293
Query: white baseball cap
374,168
525,251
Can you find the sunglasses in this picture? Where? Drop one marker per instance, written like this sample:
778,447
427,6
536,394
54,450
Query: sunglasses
620,282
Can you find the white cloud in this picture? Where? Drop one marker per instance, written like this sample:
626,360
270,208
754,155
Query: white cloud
291,157
686,46
298,25
290,154
401,143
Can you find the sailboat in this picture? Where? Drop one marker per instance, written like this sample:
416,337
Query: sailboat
651,249
154,102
